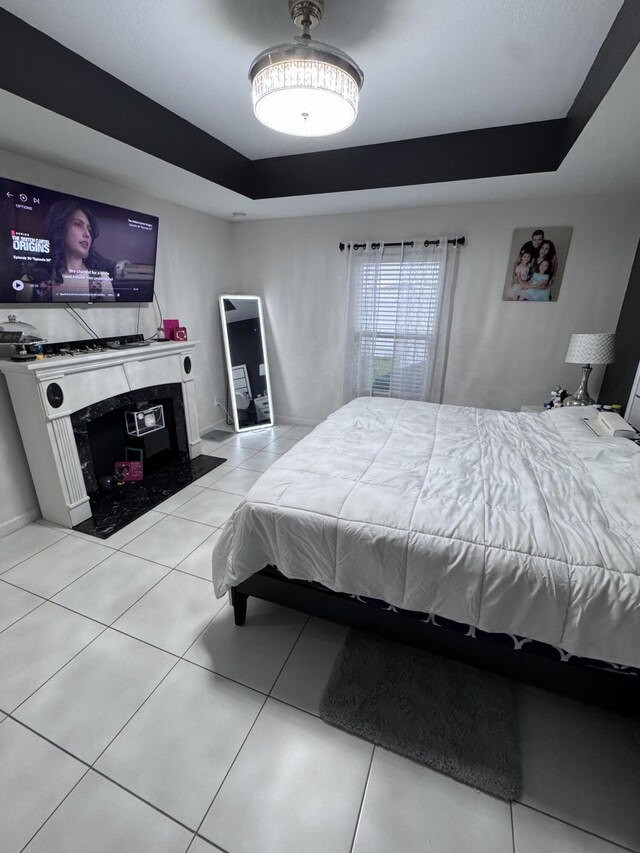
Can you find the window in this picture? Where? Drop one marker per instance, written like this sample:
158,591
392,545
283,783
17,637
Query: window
397,326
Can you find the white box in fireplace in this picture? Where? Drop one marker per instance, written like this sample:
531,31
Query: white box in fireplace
145,421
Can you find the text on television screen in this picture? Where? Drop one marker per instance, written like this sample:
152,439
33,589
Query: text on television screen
56,247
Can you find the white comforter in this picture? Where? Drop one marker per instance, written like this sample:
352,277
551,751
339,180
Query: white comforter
513,522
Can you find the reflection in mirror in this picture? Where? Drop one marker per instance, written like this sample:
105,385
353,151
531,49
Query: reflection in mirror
247,365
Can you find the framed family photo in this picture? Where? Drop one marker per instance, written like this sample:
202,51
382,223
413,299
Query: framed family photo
536,263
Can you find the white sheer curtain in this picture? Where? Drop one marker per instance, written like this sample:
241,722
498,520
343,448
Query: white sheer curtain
399,305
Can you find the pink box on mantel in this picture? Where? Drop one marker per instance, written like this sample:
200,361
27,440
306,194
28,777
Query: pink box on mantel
168,325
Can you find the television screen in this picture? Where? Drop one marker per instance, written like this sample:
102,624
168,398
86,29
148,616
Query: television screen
56,247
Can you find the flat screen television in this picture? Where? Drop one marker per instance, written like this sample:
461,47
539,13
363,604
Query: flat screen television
56,247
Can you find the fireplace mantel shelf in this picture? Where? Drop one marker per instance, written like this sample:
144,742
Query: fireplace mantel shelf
61,364
46,392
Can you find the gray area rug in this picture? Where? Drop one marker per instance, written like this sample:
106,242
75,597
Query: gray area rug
455,718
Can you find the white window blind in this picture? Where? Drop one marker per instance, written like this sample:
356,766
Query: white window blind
397,294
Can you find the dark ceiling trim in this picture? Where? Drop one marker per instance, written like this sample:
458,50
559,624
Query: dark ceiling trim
621,41
106,104
510,150
40,69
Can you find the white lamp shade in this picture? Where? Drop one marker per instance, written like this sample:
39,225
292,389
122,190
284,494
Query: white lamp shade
591,349
305,98
305,88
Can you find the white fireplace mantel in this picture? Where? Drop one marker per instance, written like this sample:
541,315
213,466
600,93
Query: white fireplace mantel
46,392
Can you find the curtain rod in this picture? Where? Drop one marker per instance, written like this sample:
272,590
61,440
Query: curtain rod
455,241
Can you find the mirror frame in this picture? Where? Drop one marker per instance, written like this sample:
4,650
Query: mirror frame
237,297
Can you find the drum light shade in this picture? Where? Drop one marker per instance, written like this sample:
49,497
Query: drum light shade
305,90
305,87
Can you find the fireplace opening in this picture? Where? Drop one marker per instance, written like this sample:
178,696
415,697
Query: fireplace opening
134,454
110,442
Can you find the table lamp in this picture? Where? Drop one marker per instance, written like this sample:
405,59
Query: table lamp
587,350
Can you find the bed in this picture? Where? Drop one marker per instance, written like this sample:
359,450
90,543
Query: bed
457,523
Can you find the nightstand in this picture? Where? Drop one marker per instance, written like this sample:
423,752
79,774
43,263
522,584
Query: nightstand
262,407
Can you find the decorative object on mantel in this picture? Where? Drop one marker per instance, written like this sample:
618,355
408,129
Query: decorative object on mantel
179,333
588,350
13,331
168,325
536,263
305,87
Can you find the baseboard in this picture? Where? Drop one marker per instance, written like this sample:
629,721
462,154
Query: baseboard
18,521
288,419
221,424
280,419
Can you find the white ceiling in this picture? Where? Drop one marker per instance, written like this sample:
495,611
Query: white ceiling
431,66
603,160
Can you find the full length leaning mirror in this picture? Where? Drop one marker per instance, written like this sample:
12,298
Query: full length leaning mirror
247,364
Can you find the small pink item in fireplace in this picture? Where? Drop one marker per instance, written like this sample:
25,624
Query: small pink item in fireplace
128,471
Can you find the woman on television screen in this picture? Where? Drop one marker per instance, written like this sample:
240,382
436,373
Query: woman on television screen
78,272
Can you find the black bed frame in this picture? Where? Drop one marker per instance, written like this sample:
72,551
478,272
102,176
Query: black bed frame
615,691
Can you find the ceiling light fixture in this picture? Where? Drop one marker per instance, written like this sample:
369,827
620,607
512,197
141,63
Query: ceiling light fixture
305,87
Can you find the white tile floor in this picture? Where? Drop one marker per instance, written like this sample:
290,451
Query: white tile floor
141,719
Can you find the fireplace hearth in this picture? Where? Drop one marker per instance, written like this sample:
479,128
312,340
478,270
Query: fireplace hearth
113,510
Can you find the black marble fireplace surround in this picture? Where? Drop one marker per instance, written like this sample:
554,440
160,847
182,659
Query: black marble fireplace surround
101,438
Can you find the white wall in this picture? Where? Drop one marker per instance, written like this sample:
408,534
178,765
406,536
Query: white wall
501,354
192,269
